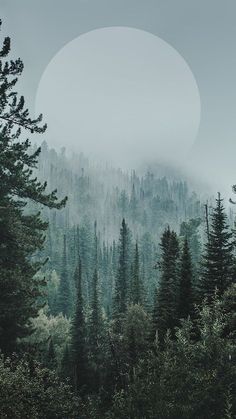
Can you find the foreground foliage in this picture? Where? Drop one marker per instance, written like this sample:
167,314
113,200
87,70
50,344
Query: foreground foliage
188,379
31,392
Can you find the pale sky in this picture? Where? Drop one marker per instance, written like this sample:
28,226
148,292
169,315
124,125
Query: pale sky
203,32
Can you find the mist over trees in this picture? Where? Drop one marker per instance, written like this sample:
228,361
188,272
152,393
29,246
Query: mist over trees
116,303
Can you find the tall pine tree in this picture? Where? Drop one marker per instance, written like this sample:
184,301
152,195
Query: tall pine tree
186,298
166,301
79,336
95,333
64,292
122,279
218,261
137,290
22,234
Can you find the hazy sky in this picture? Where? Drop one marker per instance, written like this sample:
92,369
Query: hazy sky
130,98
202,31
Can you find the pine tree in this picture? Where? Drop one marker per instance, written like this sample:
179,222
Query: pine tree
95,333
133,205
218,261
166,302
51,360
136,333
137,291
64,294
122,278
185,304
21,234
66,364
78,336
190,231
95,320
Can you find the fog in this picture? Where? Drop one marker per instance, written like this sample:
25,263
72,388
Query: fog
120,95
202,34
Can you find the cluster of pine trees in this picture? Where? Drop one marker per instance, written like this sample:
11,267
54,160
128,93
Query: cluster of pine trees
92,328
114,340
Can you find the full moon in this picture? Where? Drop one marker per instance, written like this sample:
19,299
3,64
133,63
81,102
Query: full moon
120,95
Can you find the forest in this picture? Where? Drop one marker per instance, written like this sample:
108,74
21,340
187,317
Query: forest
117,288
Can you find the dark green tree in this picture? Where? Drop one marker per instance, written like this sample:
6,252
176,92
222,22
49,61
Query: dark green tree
218,260
133,205
95,334
22,234
186,297
166,301
95,318
123,274
40,392
79,336
137,290
136,334
186,379
51,361
190,230
66,365
64,292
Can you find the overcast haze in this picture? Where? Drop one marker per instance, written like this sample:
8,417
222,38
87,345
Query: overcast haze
202,32
130,98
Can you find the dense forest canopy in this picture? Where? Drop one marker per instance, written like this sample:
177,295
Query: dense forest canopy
118,302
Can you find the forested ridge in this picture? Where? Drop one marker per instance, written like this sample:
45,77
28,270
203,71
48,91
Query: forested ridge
117,290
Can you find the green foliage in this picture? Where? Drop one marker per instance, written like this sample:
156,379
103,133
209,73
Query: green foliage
190,231
29,391
229,307
96,335
45,328
137,290
166,301
53,282
79,336
51,360
187,379
122,279
64,291
218,261
186,294
21,234
135,334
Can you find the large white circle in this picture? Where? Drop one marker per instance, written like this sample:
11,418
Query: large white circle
120,94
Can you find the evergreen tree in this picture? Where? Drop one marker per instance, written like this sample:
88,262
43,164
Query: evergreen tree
66,364
95,320
185,305
51,360
133,205
136,333
95,333
21,234
64,294
122,278
166,302
190,231
95,246
218,261
78,336
137,291
86,251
